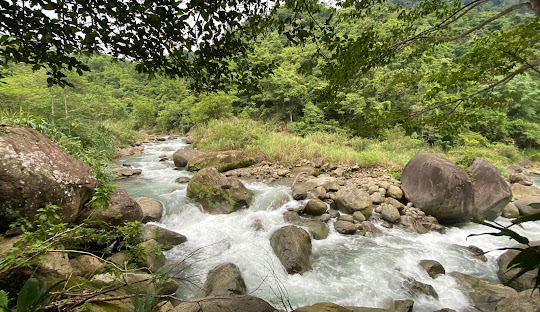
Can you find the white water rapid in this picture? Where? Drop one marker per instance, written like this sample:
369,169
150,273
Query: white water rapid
348,270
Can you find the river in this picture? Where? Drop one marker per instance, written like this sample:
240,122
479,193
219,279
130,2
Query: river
348,270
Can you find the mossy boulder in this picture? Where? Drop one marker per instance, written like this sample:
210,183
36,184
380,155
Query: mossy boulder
217,193
222,161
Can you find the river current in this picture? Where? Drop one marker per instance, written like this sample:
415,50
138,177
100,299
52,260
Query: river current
348,270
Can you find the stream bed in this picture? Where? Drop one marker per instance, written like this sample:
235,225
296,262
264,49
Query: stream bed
348,270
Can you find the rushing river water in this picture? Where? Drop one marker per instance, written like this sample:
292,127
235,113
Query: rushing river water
348,270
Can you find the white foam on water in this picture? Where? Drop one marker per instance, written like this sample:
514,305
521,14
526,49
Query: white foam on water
348,270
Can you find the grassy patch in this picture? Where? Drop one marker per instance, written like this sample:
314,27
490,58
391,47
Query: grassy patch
393,151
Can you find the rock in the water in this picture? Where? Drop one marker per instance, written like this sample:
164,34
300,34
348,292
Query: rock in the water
222,161
245,303
525,301
123,172
292,245
218,194
358,217
182,180
370,228
317,229
520,178
526,281
122,208
182,156
510,211
394,192
402,305
323,307
315,207
483,295
432,267
390,213
152,209
299,192
224,280
350,199
35,172
528,206
491,192
416,287
291,216
166,238
438,187
345,227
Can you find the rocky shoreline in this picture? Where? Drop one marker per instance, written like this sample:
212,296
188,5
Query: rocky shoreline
351,199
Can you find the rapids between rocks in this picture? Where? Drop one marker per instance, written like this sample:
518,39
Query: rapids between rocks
348,270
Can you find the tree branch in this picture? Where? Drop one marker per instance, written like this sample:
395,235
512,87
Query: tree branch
481,25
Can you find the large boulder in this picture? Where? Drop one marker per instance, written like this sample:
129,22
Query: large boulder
166,238
222,161
528,206
525,301
292,246
218,194
350,199
438,187
526,281
491,192
35,172
152,209
483,295
224,280
122,208
244,303
182,156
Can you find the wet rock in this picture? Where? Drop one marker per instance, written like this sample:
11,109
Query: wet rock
510,211
520,178
345,227
323,307
124,172
474,252
325,217
122,208
334,213
528,206
292,246
224,280
390,213
358,217
299,192
402,306
319,192
432,267
182,156
483,295
257,225
152,209
416,287
291,217
315,207
182,180
35,172
491,192
222,161
317,229
218,194
350,199
371,229
245,303
438,187
166,238
345,217
526,281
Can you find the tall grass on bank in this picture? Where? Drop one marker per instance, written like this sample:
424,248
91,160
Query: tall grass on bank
393,150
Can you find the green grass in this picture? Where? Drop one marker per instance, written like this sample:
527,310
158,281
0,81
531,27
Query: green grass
393,152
